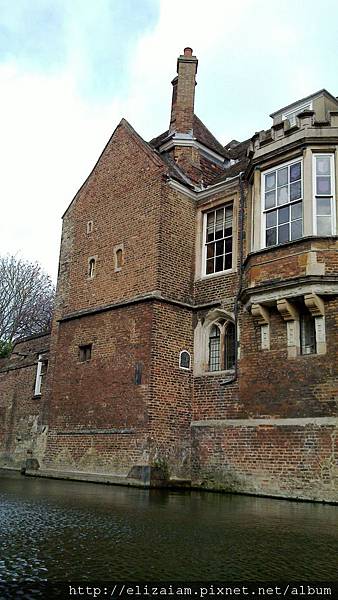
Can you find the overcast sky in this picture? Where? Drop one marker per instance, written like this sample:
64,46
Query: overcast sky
71,69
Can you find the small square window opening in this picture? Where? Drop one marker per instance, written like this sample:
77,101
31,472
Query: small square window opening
85,352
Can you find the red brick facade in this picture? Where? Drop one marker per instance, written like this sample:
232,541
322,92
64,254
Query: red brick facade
140,283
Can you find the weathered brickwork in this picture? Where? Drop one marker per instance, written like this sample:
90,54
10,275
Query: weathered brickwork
171,389
162,374
22,434
98,416
290,461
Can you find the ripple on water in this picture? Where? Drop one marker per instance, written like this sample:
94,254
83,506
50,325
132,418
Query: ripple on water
54,530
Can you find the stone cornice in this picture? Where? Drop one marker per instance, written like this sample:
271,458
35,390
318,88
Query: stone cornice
155,296
272,291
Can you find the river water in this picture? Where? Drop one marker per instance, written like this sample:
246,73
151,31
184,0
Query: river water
63,531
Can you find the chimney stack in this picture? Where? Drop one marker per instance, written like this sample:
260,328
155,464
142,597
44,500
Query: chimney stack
182,108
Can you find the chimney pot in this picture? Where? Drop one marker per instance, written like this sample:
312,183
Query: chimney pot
188,51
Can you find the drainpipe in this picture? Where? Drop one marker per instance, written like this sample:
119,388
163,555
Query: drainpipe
240,280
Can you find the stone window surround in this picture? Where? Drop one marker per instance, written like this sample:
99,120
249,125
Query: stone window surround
201,342
95,259
227,199
257,230
42,360
116,248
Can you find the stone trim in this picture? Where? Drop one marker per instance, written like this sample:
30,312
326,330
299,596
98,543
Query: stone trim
151,297
278,422
119,430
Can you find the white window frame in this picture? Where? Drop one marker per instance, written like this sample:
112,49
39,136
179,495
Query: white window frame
179,362
293,113
204,231
332,195
263,211
39,376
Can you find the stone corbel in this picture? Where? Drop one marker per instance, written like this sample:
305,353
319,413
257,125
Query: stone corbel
260,314
316,307
287,310
262,317
290,314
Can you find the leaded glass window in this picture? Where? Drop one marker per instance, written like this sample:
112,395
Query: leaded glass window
222,346
214,349
218,240
229,346
282,204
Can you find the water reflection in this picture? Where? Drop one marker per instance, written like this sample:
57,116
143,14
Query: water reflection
74,531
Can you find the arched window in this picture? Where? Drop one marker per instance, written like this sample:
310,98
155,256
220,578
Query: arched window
91,268
215,348
184,360
222,346
119,255
215,342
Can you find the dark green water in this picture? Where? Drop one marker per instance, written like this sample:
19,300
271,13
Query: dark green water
76,531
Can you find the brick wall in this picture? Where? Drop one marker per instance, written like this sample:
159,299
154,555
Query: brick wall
21,432
101,394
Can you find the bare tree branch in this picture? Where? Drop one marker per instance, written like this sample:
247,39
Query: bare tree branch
26,298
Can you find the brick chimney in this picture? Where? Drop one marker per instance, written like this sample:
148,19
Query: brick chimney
182,108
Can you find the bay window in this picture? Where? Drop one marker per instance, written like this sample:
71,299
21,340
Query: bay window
282,199
324,194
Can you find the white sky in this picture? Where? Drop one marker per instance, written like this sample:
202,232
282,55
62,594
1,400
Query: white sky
71,69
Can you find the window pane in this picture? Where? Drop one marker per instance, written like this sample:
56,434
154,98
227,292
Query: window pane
323,185
270,181
271,236
271,219
282,195
210,266
282,176
295,171
323,206
307,334
228,245
270,199
219,248
296,211
295,190
283,234
228,217
228,261
210,226
229,346
283,215
219,223
210,250
323,165
324,226
214,349
228,232
219,264
296,229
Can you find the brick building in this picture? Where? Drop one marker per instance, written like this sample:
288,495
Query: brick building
195,331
